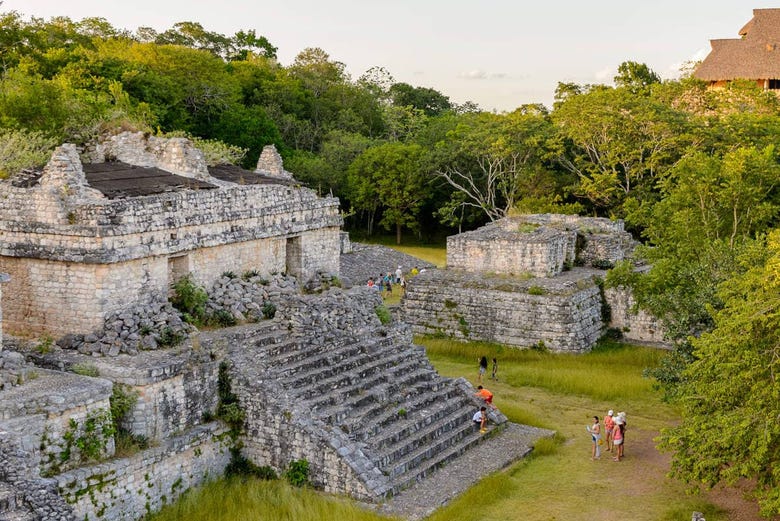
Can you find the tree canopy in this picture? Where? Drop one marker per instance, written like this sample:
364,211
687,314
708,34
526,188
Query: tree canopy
693,171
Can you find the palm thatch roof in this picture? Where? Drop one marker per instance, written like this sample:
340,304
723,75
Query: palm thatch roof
754,56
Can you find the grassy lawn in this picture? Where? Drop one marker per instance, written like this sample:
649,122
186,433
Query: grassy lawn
434,253
563,392
557,482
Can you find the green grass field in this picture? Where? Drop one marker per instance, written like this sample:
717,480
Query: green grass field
558,482
436,254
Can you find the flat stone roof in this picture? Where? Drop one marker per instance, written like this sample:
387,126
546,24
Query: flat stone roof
117,180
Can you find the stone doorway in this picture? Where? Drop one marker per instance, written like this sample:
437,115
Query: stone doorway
294,257
178,268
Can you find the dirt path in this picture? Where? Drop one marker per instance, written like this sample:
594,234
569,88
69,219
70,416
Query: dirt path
657,464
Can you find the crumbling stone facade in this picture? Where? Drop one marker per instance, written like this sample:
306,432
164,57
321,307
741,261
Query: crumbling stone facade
3,279
324,380
540,245
563,314
76,254
532,280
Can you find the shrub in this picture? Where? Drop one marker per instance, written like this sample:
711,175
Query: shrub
383,313
240,466
602,264
449,304
527,227
297,473
21,149
45,345
222,318
189,298
249,274
537,290
269,310
170,338
229,274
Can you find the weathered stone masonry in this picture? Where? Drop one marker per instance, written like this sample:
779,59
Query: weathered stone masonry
75,255
531,280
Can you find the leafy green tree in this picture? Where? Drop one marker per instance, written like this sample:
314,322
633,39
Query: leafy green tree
617,143
635,76
494,160
20,149
430,101
730,392
390,177
711,208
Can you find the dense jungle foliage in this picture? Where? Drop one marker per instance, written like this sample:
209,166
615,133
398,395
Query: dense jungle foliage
693,172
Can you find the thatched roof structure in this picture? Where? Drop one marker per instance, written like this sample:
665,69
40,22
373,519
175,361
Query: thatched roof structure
756,56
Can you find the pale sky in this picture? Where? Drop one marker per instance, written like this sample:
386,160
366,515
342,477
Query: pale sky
497,53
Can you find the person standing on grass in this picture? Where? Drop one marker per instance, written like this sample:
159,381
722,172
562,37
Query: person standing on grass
595,434
622,416
609,424
482,368
398,274
494,373
617,437
480,418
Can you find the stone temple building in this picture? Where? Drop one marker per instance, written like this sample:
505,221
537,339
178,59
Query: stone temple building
81,240
531,281
305,369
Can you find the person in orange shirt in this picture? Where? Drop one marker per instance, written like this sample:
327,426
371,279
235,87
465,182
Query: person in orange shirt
485,395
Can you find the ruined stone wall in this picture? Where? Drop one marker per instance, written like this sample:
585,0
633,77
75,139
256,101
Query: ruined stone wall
52,410
274,440
538,253
176,155
564,313
636,325
53,297
4,277
131,488
162,224
46,296
543,245
174,403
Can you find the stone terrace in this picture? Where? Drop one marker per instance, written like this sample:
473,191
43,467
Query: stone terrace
563,313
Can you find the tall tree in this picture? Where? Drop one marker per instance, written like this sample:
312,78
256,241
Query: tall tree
494,160
390,177
731,392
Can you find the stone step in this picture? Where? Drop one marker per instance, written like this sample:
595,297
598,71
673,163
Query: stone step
409,385
426,466
331,375
419,421
430,438
270,337
353,408
378,378
429,393
324,356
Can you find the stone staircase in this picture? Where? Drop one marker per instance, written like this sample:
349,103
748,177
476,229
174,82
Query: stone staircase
374,392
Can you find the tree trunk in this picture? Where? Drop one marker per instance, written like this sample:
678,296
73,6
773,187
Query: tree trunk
398,233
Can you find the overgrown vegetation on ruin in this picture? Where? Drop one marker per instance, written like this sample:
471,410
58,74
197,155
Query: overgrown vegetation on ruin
692,171
559,392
